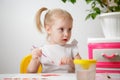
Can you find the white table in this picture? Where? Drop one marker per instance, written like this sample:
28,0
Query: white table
53,76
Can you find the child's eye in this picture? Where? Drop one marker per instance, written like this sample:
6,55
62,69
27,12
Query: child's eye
61,29
69,29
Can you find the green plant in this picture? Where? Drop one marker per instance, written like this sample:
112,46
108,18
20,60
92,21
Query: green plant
99,6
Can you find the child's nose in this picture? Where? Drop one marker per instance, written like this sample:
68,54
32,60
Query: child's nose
66,34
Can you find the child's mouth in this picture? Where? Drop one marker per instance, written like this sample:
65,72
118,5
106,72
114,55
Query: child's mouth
65,40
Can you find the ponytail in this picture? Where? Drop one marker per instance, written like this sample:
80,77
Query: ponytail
38,17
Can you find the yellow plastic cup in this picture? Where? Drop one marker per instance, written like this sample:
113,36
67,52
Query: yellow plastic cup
85,69
84,63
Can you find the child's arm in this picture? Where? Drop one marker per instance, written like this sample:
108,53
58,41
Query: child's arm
33,66
67,60
76,57
34,63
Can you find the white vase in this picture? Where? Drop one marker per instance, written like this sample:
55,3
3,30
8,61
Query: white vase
110,23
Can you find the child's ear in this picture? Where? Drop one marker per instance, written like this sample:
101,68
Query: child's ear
48,29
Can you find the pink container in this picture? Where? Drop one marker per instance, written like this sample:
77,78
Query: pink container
107,54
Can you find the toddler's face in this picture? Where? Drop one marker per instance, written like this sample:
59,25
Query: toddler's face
60,31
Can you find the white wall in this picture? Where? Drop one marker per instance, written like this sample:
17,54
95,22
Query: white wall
18,31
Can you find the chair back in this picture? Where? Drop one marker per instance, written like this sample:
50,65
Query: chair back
25,62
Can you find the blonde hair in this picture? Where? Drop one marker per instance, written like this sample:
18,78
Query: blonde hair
51,16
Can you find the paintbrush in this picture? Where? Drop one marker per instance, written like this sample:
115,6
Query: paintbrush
33,47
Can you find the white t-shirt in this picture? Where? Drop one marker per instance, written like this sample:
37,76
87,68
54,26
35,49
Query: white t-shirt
52,55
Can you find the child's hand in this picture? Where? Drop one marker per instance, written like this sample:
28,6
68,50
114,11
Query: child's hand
36,53
66,60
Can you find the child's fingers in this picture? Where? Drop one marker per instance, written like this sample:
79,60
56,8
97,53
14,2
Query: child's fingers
65,60
36,53
61,61
40,53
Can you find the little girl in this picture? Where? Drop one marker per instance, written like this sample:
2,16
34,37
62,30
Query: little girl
57,55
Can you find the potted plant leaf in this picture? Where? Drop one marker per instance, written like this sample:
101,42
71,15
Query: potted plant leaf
109,13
